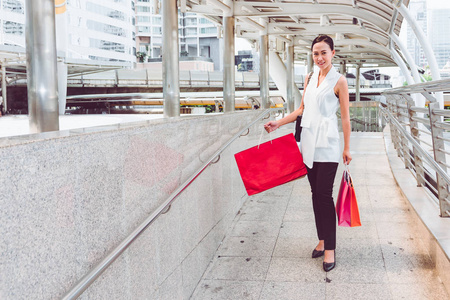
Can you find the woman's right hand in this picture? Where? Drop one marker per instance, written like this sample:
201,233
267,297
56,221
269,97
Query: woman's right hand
271,126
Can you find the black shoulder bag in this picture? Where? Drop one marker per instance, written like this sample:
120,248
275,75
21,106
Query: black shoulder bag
298,128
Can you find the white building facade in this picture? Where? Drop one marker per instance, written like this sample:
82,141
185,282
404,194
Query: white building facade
418,9
197,35
100,30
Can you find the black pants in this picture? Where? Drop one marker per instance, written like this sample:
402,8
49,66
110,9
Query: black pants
321,178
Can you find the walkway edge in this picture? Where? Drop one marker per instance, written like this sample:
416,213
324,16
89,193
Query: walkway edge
434,229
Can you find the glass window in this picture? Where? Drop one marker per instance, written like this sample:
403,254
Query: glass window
156,30
209,30
101,27
156,20
142,19
13,6
191,31
204,21
143,9
13,28
105,11
144,29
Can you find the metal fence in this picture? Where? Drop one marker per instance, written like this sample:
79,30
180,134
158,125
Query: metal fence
365,116
421,136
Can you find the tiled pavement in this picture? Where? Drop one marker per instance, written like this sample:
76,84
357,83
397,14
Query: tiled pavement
267,254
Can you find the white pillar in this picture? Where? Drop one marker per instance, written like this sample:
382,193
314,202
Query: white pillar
343,68
290,79
358,82
278,73
264,71
61,50
399,61
418,99
170,59
309,63
42,79
407,56
228,65
5,103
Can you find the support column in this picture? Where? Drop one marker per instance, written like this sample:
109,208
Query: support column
228,64
290,79
61,49
358,84
418,99
343,68
264,70
170,59
399,61
309,63
5,100
42,81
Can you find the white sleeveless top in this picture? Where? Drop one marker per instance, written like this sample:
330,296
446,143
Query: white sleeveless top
320,135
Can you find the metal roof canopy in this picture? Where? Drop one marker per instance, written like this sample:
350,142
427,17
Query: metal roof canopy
360,28
14,58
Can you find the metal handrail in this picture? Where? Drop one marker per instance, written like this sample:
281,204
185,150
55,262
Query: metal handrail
429,87
95,272
417,146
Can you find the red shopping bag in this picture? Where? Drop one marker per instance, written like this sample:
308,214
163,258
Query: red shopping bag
346,205
270,164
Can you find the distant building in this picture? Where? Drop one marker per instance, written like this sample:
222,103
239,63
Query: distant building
197,35
100,30
439,34
418,8
12,14
244,61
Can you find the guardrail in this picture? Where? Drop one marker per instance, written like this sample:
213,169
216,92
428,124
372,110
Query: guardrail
417,131
153,78
89,278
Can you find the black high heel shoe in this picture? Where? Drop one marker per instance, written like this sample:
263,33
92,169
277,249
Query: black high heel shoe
316,253
330,266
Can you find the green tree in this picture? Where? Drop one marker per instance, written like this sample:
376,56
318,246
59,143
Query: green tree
141,56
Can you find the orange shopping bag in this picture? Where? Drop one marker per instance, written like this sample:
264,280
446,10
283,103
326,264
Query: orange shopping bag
346,205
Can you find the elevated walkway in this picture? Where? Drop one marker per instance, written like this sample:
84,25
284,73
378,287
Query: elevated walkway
267,252
71,197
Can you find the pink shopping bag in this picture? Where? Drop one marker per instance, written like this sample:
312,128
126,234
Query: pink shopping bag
346,205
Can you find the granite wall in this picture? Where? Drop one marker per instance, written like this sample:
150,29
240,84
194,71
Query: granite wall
68,198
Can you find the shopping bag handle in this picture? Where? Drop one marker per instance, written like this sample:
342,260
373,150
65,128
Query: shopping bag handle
260,137
348,176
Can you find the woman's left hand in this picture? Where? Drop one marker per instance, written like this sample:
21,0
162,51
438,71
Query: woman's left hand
346,157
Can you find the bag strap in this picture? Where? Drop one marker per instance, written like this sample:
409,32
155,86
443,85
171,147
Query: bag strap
309,77
260,137
348,175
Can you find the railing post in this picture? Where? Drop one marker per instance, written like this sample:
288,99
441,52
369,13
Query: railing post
403,140
414,127
439,157
395,135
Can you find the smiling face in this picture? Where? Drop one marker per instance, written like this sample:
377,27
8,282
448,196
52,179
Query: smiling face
322,55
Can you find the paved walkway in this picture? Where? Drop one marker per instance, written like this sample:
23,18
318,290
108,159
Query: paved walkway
267,254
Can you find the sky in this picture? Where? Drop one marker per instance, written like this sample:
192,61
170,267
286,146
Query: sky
438,4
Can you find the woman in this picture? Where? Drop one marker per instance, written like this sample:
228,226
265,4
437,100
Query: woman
325,92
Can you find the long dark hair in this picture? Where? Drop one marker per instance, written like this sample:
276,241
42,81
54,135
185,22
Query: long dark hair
323,38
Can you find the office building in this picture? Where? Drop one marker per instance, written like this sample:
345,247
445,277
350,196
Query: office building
439,35
100,30
197,35
418,9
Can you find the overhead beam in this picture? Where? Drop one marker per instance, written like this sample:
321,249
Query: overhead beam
244,9
289,9
221,5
